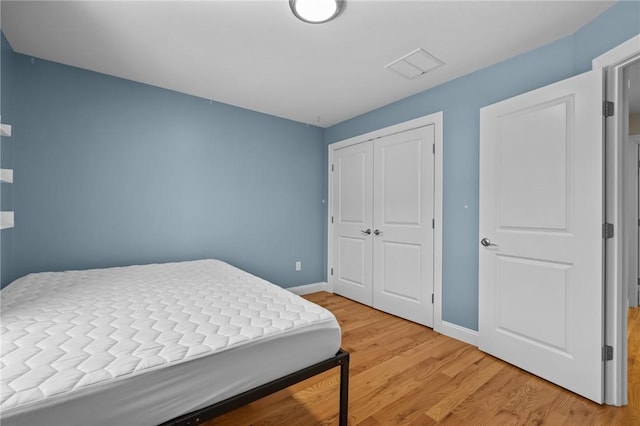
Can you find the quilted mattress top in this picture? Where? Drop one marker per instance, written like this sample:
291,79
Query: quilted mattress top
65,332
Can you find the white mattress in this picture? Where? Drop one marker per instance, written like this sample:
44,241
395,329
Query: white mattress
144,344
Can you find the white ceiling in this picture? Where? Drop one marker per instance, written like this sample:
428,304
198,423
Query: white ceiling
257,55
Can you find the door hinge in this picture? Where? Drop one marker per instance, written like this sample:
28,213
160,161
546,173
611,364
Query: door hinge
332,167
331,219
434,148
607,230
607,108
331,271
607,353
433,223
432,298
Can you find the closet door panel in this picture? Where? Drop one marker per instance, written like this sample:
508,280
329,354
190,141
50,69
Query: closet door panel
403,233
352,217
401,270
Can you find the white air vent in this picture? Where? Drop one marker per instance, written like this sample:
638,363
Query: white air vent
415,64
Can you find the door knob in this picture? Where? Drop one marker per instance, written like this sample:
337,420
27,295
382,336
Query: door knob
487,242
368,231
377,232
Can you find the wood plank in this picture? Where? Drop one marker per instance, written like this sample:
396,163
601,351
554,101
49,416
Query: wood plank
477,375
406,374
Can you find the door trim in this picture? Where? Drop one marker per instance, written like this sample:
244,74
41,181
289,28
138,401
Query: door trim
435,119
616,292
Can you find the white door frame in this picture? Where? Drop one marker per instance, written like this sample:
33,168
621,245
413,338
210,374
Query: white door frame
435,119
616,292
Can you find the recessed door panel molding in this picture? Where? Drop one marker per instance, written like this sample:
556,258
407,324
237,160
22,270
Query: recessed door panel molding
401,205
402,271
523,287
541,243
540,161
352,172
352,262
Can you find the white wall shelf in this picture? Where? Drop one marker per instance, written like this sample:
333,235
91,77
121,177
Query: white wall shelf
6,220
6,175
5,130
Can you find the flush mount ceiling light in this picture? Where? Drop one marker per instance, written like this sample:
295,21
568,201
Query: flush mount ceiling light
316,11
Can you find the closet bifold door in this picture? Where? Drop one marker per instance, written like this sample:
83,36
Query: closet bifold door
383,211
352,220
403,211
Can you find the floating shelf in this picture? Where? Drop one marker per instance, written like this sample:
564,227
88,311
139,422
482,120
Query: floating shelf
6,220
5,130
6,175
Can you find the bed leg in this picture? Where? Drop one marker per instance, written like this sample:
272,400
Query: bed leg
344,391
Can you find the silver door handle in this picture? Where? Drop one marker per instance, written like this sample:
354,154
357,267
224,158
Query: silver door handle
368,231
377,232
487,242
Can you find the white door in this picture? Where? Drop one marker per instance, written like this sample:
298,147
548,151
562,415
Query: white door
541,219
402,222
352,221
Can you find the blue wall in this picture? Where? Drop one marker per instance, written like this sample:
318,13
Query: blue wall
112,172
461,101
7,82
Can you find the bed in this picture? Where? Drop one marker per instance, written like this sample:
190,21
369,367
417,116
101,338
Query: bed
174,343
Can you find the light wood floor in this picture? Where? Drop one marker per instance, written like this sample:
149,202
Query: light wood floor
405,374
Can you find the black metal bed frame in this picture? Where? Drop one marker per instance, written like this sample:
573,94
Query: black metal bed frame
340,359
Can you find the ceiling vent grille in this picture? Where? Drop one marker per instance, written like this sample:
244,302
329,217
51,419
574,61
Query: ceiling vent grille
415,64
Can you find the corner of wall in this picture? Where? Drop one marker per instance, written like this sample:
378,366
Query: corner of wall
614,26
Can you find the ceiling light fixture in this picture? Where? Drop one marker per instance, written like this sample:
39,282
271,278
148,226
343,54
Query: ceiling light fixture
316,11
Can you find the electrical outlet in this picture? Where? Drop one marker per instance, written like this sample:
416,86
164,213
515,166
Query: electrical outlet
298,265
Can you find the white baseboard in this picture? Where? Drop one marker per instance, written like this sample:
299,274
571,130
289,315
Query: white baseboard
443,327
458,332
309,288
